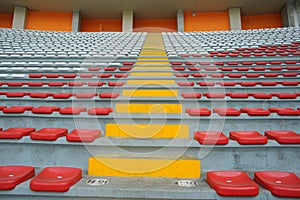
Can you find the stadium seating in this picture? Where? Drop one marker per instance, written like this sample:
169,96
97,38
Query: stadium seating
81,107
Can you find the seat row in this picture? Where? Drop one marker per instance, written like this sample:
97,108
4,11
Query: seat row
86,75
51,134
236,63
61,84
51,109
213,68
60,95
243,84
225,183
291,52
238,75
248,111
240,95
247,137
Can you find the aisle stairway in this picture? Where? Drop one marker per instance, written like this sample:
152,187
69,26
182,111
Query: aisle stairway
151,63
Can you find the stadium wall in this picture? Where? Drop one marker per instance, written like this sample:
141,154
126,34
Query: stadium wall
161,25
51,21
96,25
262,21
206,21
6,20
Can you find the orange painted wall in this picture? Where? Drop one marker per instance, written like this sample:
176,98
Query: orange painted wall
262,21
6,20
154,25
206,21
96,25
51,21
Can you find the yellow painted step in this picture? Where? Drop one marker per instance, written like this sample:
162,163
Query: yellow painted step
151,74
185,167
147,130
152,63
140,59
149,108
151,68
153,53
150,93
150,82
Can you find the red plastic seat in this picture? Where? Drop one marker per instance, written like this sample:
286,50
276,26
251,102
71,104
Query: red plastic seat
247,63
289,74
219,63
104,75
290,83
262,96
121,75
51,134
56,179
69,75
259,68
72,110
282,184
210,68
268,83
35,75
270,75
239,95
99,111
11,176
285,95
15,94
226,84
190,63
179,68
185,55
55,84
181,75
40,95
125,68
78,84
35,84
96,84
194,68
253,75
110,69
16,109
114,84
128,63
227,111
191,95
85,95
226,68
87,75
176,63
83,135
232,63
216,75
93,69
206,83
211,137
242,69
45,109
62,95
285,111
109,95
248,137
261,63
215,95
15,133
248,84
255,111
51,75
198,111
293,68
204,63
232,183
186,83
276,68
283,137
234,75
199,75
14,84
